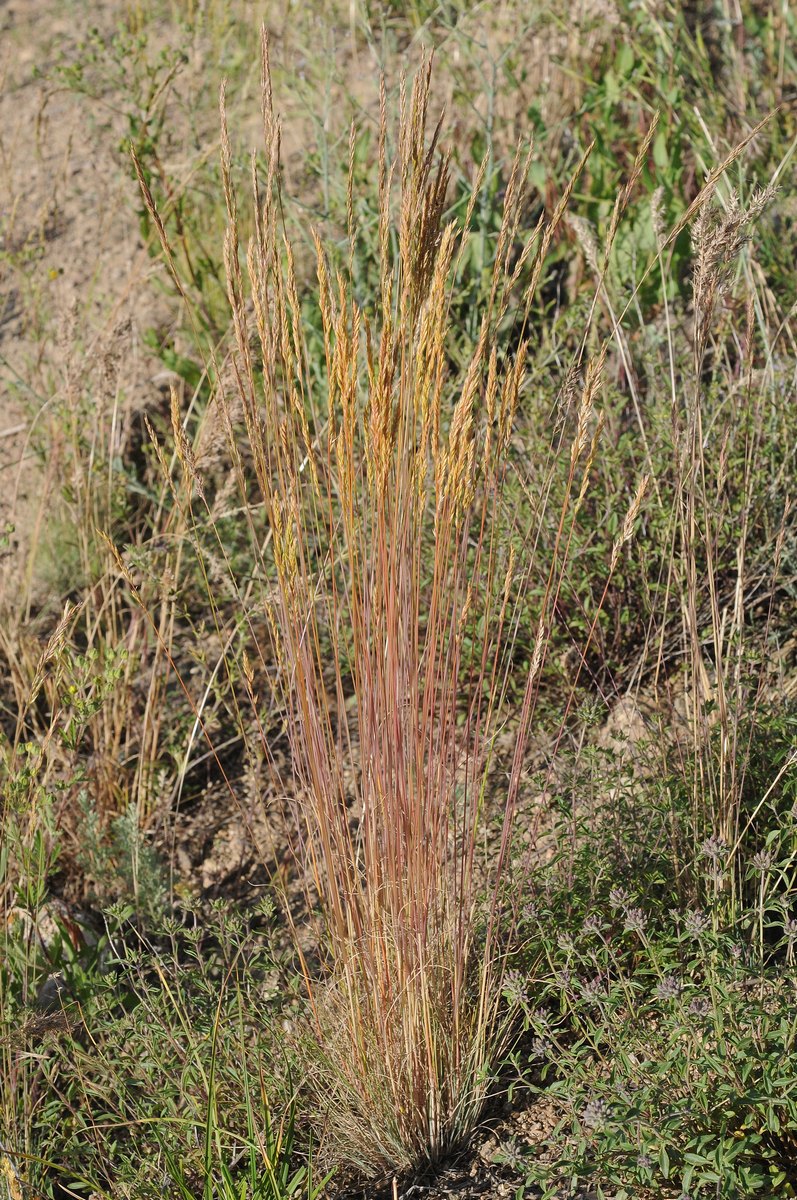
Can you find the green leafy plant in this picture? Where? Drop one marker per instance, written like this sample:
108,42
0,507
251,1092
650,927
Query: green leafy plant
668,1049
173,1053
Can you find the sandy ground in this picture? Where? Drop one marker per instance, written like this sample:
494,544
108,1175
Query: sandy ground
72,263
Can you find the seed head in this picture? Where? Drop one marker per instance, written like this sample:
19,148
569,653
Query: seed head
593,989
596,1114
540,1049
696,923
762,861
619,897
635,921
515,988
540,1018
700,1006
714,848
670,988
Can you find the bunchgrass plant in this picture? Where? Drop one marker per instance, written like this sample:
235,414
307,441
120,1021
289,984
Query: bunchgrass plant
392,599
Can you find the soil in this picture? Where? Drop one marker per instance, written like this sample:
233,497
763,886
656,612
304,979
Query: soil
73,268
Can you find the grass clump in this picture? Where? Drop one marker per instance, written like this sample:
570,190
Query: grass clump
394,620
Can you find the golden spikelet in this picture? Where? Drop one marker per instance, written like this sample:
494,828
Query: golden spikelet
55,645
549,229
585,236
624,195
591,456
285,544
460,454
510,395
490,405
627,531
184,449
539,650
592,380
